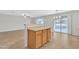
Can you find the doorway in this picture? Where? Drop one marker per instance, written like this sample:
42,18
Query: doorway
61,24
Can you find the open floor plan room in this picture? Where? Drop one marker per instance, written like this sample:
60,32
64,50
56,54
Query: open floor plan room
39,29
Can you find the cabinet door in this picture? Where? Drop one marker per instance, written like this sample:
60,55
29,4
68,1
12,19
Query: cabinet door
38,39
45,36
31,39
49,34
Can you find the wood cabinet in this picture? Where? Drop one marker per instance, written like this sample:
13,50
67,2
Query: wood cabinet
45,36
37,37
49,34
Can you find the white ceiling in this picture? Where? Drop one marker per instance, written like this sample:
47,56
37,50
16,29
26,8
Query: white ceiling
32,13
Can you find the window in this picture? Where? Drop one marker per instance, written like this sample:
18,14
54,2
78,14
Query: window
40,21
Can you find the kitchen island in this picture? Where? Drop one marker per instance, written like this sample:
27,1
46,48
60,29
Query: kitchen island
38,36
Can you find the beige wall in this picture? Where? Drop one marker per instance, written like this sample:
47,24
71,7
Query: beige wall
75,24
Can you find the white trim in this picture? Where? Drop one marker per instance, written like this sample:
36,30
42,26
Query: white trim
6,30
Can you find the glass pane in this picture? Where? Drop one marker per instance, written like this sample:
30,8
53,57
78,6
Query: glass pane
64,25
40,22
57,25
61,25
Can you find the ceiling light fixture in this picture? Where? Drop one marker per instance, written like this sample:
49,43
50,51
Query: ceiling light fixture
25,15
56,17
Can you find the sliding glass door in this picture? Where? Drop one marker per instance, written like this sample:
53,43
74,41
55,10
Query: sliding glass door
57,25
61,24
